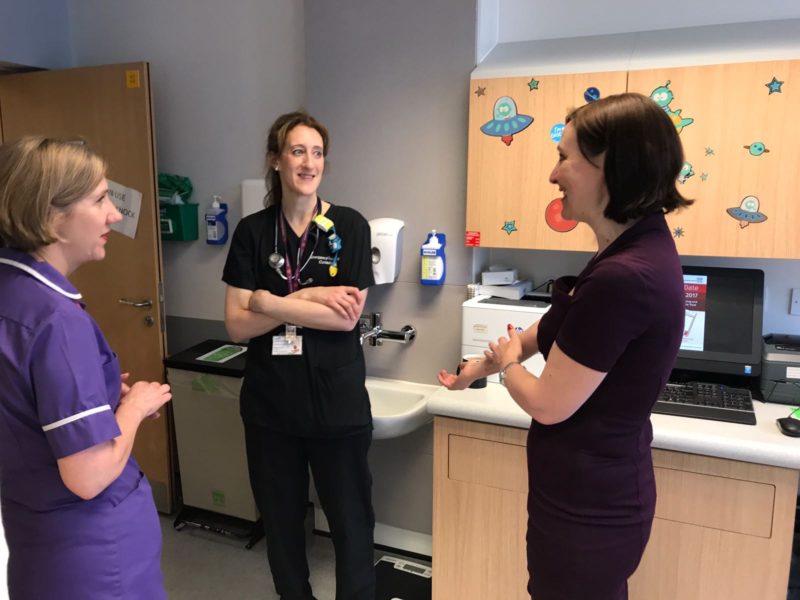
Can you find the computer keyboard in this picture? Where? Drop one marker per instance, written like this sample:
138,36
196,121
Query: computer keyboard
707,401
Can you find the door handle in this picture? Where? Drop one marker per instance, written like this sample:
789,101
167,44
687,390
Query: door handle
146,303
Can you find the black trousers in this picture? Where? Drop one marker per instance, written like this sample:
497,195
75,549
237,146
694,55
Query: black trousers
278,466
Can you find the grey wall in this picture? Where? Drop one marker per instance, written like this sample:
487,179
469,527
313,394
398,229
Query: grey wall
391,81
35,33
221,72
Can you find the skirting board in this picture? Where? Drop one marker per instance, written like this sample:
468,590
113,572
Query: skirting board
386,535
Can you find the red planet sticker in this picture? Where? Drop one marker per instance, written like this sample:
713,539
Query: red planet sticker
554,218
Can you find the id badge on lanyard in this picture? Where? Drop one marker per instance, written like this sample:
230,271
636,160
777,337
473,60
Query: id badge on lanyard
288,344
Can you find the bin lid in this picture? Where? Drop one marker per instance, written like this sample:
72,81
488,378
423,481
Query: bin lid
226,361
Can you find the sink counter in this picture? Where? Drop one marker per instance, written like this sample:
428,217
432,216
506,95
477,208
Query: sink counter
761,444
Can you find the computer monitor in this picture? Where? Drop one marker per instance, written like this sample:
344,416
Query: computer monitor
724,314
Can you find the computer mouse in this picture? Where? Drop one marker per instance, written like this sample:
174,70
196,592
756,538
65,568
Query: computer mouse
789,426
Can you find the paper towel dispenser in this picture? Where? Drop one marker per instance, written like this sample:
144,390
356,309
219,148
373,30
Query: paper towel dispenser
387,248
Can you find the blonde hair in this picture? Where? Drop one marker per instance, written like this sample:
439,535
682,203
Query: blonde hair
38,176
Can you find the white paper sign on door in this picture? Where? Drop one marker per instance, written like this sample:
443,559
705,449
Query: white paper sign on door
128,202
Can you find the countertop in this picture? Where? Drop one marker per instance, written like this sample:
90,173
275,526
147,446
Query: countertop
762,443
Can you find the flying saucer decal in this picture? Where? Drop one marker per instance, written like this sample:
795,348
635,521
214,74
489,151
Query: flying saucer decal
555,220
507,122
756,148
663,96
747,212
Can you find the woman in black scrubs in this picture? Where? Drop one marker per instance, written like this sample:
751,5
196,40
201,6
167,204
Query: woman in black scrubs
610,339
297,275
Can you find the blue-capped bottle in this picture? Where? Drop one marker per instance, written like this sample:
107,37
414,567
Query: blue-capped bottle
217,222
434,267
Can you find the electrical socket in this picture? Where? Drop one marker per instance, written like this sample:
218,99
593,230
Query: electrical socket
794,302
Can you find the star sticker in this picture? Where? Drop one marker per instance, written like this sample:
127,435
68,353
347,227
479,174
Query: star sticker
533,84
774,86
678,232
709,151
480,91
703,176
509,227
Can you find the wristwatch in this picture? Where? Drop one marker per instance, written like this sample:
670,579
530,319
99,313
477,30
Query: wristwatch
502,373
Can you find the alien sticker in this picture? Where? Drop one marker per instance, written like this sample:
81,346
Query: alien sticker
663,96
686,172
506,121
747,212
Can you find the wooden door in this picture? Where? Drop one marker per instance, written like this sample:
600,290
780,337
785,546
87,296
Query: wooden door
510,202
109,107
739,130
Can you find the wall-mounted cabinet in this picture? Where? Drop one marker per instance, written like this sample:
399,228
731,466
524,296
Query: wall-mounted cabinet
741,142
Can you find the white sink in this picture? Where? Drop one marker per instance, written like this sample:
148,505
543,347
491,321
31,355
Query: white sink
398,407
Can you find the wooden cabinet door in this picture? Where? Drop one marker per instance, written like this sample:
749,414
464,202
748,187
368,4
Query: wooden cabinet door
480,515
109,108
743,151
510,202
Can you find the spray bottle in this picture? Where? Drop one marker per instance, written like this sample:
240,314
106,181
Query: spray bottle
433,259
216,222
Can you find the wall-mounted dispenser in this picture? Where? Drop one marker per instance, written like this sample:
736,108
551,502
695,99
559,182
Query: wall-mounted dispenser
387,248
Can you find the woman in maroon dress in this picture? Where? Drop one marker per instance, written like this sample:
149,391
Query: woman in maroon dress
610,340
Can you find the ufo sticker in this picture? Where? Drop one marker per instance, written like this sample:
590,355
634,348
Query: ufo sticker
747,212
507,121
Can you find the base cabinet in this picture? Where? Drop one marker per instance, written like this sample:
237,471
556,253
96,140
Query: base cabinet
723,528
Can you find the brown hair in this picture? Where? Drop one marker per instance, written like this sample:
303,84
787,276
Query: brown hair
276,140
37,176
643,154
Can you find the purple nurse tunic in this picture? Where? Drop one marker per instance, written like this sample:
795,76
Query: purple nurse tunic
60,388
592,493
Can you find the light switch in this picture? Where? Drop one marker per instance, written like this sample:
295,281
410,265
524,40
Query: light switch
794,303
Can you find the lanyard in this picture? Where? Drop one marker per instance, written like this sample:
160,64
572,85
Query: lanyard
293,277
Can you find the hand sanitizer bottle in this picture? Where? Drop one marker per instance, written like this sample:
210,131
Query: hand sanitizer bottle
216,222
433,259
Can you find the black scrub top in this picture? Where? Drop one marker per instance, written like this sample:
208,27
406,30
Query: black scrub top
320,393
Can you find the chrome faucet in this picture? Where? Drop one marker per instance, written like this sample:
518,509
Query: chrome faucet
371,329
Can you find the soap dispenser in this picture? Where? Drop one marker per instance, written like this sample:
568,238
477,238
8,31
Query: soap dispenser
216,222
387,248
433,259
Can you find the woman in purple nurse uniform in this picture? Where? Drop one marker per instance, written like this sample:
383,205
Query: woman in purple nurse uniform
78,514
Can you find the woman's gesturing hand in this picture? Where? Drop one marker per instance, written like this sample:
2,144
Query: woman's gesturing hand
505,350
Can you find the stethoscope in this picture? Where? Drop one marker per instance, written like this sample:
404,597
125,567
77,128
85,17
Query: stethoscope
277,261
